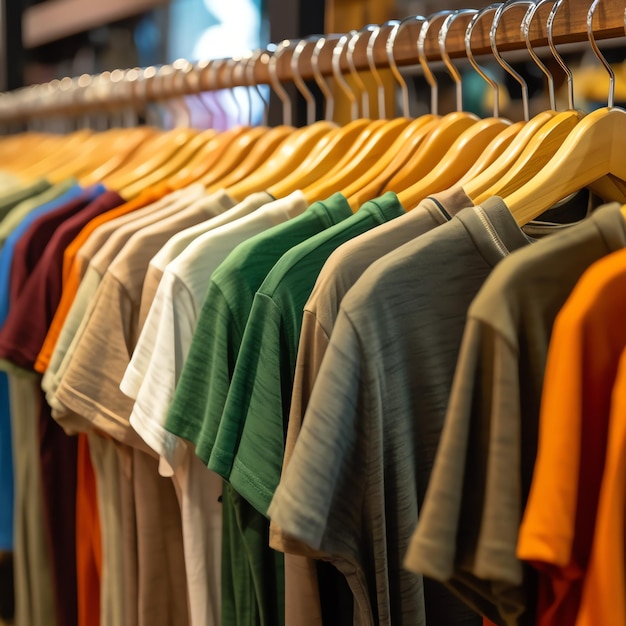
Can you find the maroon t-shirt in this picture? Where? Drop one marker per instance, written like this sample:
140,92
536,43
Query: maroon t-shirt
36,283
31,312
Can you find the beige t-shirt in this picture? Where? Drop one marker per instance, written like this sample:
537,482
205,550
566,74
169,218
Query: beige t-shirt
177,244
90,384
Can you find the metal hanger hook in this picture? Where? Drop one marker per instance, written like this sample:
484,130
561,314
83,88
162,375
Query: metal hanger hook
557,56
421,53
442,40
338,76
493,32
276,85
365,102
250,67
599,55
321,81
299,82
470,56
390,48
525,29
382,113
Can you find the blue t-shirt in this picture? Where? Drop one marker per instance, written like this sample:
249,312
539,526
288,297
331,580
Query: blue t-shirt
6,258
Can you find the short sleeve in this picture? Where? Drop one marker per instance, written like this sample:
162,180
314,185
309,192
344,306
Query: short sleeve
202,389
320,496
90,386
156,365
469,521
254,409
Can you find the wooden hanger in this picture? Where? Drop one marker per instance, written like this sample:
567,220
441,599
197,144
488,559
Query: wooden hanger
592,150
467,148
294,149
539,150
66,149
542,135
372,182
494,151
113,147
435,157
144,147
270,142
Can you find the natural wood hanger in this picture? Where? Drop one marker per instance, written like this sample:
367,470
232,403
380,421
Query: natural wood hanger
592,150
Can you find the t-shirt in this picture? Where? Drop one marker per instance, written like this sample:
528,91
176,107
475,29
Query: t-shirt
357,476
17,195
156,364
27,323
72,273
182,239
557,530
6,453
340,272
29,248
222,319
90,385
252,574
603,600
257,407
98,252
168,332
492,421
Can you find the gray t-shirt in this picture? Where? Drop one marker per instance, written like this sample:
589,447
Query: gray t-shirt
358,473
467,534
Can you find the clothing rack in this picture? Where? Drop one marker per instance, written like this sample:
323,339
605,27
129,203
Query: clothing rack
123,88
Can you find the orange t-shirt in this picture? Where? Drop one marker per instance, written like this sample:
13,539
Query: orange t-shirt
72,274
559,521
88,539
603,600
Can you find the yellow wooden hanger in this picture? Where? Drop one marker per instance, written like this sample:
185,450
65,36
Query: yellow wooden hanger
435,156
505,149
111,146
139,145
174,141
263,149
66,149
342,142
592,150
393,141
318,143
541,136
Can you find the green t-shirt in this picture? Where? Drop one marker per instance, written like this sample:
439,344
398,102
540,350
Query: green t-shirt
211,360
253,583
16,195
249,447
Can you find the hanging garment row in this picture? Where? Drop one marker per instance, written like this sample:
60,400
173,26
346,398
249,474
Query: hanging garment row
361,375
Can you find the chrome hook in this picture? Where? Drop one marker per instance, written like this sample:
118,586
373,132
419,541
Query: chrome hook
421,52
372,65
338,76
321,81
470,55
599,55
365,102
390,45
277,86
442,40
493,32
299,82
557,56
525,28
